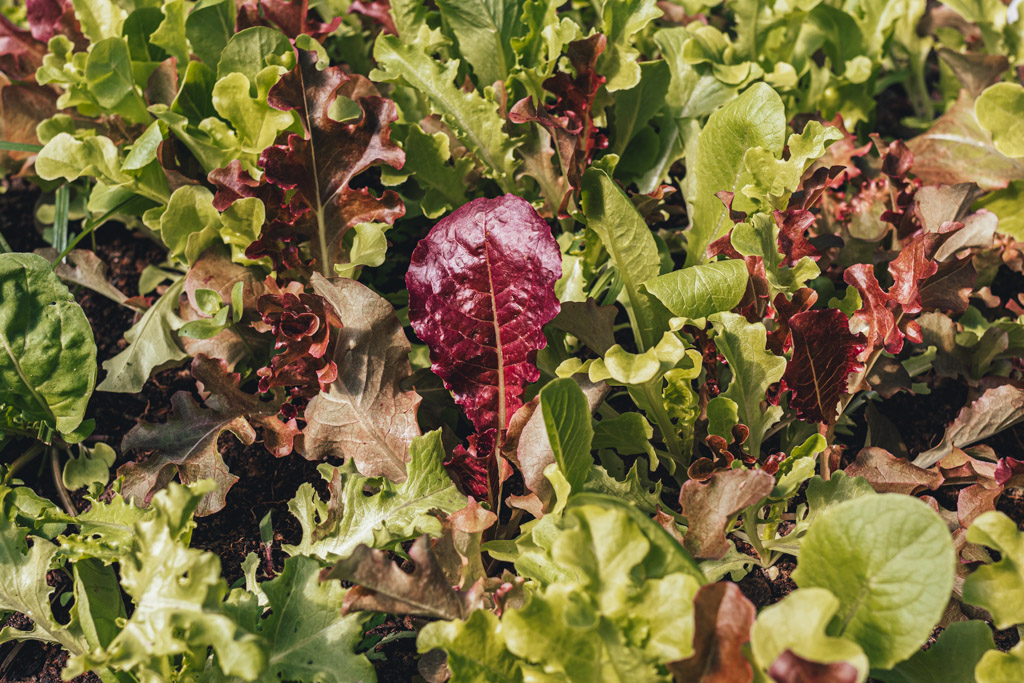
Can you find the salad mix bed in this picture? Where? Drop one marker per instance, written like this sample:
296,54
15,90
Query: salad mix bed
585,313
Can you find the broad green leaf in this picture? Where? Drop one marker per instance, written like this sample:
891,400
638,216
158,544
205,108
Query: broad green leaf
692,92
92,466
23,587
890,561
98,605
700,291
256,123
152,344
567,420
108,74
757,118
473,118
69,158
366,246
635,107
1001,667
800,622
170,35
628,433
47,350
953,657
840,488
306,639
395,513
1000,111
476,648
998,587
484,29
629,244
621,20
251,51
99,18
753,368
210,26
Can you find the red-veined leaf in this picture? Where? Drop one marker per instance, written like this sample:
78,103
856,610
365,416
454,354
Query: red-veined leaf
824,355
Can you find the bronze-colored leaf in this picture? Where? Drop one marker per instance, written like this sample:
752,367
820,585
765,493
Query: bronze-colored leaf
382,586
889,474
365,414
723,618
709,507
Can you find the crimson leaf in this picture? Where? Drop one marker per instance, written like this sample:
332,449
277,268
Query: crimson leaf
481,287
824,354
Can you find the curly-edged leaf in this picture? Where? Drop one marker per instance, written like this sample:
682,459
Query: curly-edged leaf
754,119
104,530
306,639
1000,406
474,119
892,572
481,287
876,311
382,586
427,158
394,513
956,149
1001,667
824,355
178,594
700,291
47,349
152,345
710,506
365,414
888,474
475,648
23,587
225,397
998,587
953,657
754,370
621,20
723,618
797,625
185,445
321,165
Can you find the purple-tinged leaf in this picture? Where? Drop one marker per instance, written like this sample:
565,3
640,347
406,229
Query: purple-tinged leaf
185,445
824,354
481,287
723,617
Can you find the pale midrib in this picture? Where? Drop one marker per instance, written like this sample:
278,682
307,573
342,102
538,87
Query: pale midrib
627,282
345,397
497,340
321,227
17,368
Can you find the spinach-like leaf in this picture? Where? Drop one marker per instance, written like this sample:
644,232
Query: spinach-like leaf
47,350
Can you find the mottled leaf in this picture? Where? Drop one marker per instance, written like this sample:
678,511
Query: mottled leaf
709,507
824,355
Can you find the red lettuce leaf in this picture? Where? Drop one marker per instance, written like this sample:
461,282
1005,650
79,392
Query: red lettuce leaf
481,287
378,11
291,16
569,119
47,18
824,355
321,165
875,312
